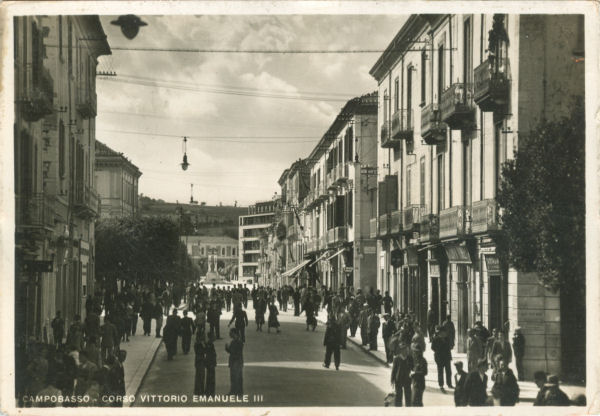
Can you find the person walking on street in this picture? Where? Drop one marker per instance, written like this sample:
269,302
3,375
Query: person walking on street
260,307
200,363
476,385
146,315
474,350
331,342
432,321
309,310
211,365
158,315
241,322
388,303
213,317
460,379
354,311
401,375
187,329
418,376
58,329
489,344
363,322
553,395
518,342
448,327
171,334
373,327
236,362
442,356
109,338
296,298
505,389
344,322
273,321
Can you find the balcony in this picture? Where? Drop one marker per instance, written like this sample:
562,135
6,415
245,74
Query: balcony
86,201
340,234
86,101
491,89
484,217
433,130
343,173
331,237
331,176
373,228
452,222
457,108
412,218
430,228
396,222
37,102
386,138
312,246
34,211
402,124
322,193
384,226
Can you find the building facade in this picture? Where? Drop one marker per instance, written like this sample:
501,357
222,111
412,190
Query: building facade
116,182
214,253
253,228
54,141
456,93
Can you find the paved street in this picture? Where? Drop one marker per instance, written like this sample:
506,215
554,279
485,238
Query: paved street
286,369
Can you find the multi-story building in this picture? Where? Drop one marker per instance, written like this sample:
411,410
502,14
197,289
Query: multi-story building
55,60
456,94
214,253
337,207
116,182
253,228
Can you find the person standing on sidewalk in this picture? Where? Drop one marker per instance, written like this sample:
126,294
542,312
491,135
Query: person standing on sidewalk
448,327
171,334
373,327
236,362
442,356
474,350
354,310
146,315
476,385
459,382
363,321
344,321
213,318
296,298
331,341
58,329
187,329
387,330
418,376
518,342
505,389
388,303
401,375
109,338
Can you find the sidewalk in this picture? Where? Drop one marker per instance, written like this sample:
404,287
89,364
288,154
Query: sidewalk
528,389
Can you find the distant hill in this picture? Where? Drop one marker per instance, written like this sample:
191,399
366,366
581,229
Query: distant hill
197,219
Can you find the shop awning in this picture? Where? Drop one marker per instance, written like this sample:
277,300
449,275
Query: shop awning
457,254
295,269
321,257
336,254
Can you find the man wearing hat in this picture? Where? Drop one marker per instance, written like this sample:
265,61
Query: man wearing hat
418,375
442,356
401,374
459,382
476,385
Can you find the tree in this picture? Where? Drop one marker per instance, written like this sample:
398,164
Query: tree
542,198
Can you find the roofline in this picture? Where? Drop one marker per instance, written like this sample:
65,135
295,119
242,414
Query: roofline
402,42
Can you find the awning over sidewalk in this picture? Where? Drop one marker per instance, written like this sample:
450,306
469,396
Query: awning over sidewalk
295,269
321,257
457,254
336,254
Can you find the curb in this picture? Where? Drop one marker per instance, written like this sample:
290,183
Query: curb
149,358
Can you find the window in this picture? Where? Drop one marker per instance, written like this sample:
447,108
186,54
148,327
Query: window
441,71
233,251
423,75
408,183
422,181
386,98
467,150
70,46
60,38
440,177
397,94
499,154
468,53
61,149
223,251
409,94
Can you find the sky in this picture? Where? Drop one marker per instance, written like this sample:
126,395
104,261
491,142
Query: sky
248,116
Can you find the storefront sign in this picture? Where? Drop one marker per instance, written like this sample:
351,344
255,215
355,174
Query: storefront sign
38,266
348,269
434,269
370,250
492,264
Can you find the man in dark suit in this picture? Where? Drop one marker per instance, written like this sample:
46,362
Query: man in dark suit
332,344
476,385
